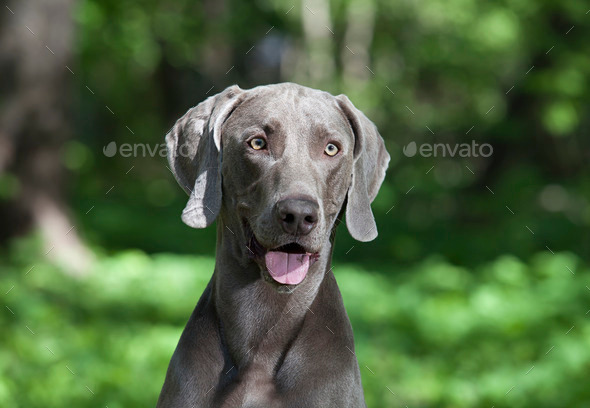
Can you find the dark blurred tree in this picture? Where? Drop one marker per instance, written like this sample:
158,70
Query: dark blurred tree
429,72
36,69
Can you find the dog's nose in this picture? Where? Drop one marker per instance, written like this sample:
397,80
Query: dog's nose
297,216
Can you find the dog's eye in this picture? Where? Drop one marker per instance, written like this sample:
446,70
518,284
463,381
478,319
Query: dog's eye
258,143
331,149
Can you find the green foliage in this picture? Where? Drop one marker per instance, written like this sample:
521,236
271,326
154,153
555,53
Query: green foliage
433,335
461,294
438,68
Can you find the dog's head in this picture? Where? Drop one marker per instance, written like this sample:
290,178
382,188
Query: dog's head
277,163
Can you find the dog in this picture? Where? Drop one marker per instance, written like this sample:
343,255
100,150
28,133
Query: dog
279,167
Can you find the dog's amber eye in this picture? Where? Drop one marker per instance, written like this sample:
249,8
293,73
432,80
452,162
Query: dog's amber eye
331,149
258,143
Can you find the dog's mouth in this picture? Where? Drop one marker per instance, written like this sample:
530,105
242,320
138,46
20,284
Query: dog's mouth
287,264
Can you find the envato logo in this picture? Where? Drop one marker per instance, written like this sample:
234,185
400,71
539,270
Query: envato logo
446,150
139,150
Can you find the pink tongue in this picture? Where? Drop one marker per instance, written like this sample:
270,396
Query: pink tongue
285,268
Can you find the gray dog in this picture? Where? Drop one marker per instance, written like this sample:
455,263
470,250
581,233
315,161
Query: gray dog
277,166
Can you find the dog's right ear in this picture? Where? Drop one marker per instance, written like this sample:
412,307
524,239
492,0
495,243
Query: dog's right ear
194,154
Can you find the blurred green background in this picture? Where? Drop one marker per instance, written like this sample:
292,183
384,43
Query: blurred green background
476,292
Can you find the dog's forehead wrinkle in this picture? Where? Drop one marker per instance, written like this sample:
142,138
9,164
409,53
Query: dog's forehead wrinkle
274,104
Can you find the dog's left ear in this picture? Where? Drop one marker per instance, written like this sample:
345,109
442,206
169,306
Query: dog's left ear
194,154
370,162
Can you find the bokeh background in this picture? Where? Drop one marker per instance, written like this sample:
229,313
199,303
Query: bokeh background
476,292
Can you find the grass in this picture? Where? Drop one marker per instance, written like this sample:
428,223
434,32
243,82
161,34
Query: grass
509,333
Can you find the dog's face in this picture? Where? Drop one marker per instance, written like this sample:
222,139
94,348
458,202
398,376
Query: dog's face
287,165
278,163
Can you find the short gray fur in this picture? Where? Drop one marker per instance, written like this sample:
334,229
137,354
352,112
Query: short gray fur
250,341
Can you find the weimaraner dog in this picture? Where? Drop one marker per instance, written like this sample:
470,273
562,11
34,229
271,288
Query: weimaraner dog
277,166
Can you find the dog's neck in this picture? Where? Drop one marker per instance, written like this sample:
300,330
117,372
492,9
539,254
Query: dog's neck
257,320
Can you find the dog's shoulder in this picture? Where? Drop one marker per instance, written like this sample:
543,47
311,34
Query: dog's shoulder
198,358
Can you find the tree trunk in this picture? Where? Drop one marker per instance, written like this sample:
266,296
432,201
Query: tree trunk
35,121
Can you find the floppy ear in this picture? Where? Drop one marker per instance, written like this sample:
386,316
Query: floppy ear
194,154
370,162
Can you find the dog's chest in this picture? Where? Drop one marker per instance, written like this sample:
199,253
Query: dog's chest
254,387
